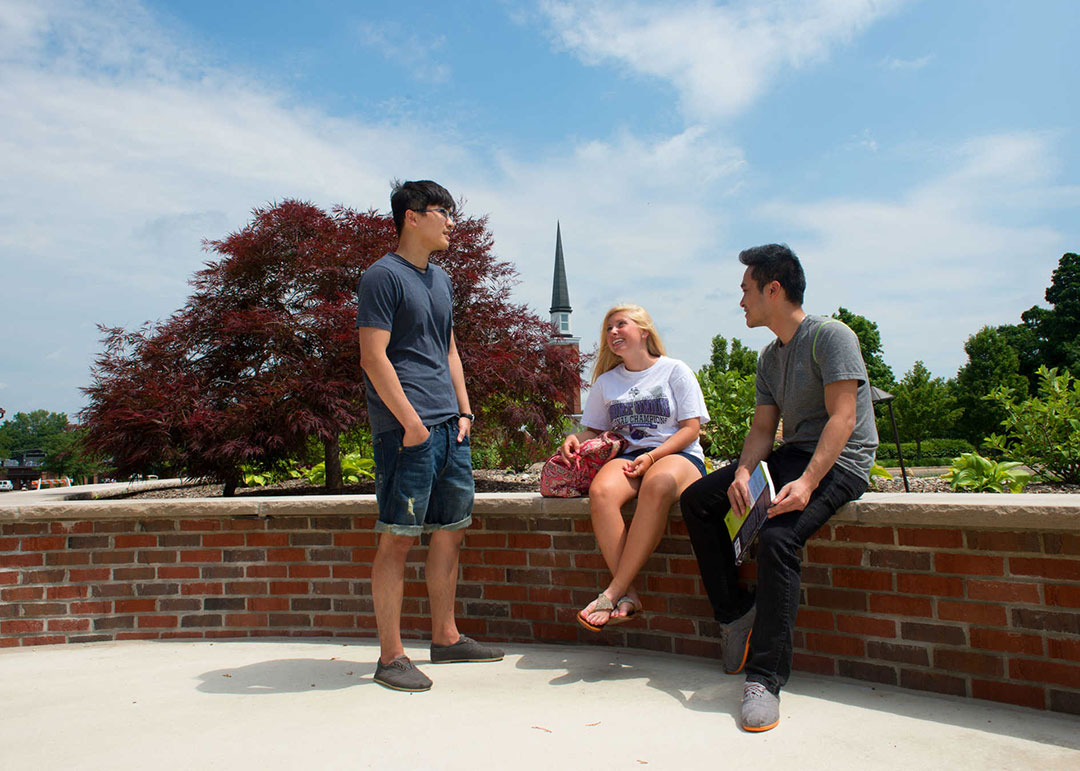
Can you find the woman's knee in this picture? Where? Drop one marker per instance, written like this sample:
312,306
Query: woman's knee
660,485
604,495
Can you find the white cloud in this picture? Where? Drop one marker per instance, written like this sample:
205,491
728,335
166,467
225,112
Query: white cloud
939,262
121,150
636,214
863,141
118,164
119,156
393,43
20,23
893,63
109,38
719,57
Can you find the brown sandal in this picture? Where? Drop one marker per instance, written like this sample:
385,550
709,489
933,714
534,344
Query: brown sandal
600,603
635,611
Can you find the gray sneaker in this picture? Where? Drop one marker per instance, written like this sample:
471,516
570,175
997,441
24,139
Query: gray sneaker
760,708
735,641
402,675
465,649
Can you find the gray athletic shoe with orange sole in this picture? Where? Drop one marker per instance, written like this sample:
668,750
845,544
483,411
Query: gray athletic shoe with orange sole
735,641
760,708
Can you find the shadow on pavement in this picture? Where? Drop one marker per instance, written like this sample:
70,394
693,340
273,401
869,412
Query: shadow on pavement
679,678
973,714
288,676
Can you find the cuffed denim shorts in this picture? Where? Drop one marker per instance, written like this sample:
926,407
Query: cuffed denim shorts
428,486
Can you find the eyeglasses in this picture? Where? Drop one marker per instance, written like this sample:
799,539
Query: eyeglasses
447,215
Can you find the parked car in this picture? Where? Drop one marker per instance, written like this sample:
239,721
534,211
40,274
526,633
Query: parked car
5,484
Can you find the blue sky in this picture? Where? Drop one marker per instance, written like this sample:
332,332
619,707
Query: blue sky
921,157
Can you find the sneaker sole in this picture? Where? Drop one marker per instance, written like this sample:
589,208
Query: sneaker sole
759,729
385,684
745,655
465,661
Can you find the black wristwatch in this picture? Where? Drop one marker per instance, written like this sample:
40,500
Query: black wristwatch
469,415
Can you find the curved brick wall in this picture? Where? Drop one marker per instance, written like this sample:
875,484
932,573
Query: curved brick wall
967,595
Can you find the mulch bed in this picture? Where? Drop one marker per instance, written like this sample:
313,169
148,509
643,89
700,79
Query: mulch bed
486,481
507,481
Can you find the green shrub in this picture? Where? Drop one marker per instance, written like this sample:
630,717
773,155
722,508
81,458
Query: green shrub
877,470
259,477
974,473
941,451
923,462
729,397
357,440
485,456
354,469
1043,431
496,446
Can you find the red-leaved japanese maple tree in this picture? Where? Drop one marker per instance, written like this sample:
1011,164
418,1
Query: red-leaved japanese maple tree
264,353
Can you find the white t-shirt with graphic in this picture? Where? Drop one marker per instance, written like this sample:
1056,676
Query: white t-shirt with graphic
646,406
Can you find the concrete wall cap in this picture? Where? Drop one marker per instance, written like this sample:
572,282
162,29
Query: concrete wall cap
983,510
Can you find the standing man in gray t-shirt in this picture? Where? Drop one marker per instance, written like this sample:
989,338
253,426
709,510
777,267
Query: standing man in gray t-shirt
420,424
813,376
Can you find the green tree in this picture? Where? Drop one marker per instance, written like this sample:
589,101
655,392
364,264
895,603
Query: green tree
879,373
30,431
264,354
68,455
924,407
737,358
992,363
1025,342
1057,329
727,382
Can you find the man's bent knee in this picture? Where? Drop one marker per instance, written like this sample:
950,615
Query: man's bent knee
778,543
700,500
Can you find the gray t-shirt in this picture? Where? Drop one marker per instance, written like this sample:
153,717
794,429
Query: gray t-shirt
793,377
415,306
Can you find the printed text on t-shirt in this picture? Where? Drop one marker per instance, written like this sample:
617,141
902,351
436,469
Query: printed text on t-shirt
641,411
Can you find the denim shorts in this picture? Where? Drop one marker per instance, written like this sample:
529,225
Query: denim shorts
428,486
698,463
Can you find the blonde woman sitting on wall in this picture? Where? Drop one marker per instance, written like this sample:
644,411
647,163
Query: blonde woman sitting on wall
655,402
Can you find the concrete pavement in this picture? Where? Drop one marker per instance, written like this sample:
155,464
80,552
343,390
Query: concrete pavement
271,704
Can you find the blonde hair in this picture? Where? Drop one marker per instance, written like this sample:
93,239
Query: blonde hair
606,358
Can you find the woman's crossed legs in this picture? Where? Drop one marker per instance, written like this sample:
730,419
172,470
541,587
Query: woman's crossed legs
626,549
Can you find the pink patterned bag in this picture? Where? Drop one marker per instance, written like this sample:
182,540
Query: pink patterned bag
560,479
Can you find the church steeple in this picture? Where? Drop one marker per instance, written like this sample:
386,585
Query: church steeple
560,295
560,317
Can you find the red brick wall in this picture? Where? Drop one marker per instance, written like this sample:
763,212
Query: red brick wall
983,613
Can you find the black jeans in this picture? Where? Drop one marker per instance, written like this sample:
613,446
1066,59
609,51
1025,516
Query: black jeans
779,556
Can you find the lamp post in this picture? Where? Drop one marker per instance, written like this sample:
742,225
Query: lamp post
876,396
